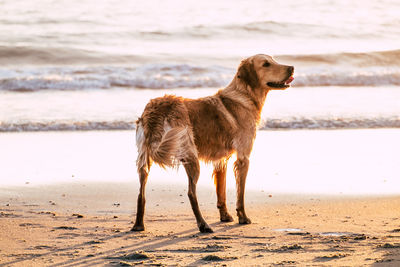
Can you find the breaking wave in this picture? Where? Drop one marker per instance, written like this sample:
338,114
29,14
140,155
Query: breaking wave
343,69
273,123
176,76
331,123
367,77
152,76
66,126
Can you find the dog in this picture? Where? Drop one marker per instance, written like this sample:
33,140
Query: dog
173,130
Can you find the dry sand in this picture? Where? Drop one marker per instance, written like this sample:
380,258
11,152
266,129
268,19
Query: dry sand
88,225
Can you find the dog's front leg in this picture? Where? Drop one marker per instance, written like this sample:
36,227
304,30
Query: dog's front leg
241,168
219,175
192,168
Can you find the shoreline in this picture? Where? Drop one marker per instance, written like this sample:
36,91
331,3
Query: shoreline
340,162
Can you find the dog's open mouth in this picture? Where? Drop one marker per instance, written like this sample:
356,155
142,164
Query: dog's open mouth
281,85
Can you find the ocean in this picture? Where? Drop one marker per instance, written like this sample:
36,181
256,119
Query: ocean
93,65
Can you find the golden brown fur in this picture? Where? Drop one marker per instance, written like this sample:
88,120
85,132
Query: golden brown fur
174,130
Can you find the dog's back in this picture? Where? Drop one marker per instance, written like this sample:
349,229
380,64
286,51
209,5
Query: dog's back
173,128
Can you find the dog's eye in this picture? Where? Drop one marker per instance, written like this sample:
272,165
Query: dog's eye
266,64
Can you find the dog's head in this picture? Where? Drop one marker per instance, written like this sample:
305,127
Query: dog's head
264,72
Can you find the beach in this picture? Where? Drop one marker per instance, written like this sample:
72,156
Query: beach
323,183
78,212
286,230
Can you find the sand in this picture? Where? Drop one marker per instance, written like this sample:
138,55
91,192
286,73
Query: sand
316,198
88,225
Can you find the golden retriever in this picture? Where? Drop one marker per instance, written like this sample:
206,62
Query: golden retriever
174,130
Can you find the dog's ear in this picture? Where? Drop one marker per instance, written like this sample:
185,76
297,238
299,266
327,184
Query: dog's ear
247,73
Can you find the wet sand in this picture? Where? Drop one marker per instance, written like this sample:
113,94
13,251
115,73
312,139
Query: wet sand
339,162
88,224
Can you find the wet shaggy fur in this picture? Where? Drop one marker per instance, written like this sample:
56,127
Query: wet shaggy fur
174,130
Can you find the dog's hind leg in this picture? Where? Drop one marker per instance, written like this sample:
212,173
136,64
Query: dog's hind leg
143,163
141,201
192,168
219,175
241,168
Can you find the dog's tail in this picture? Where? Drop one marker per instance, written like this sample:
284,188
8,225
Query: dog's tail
175,145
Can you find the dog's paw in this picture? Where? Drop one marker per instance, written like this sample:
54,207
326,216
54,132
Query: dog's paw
226,218
204,228
244,220
137,228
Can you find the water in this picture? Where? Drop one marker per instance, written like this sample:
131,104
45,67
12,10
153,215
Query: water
87,65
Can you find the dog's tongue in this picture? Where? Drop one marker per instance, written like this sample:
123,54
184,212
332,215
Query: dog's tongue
289,80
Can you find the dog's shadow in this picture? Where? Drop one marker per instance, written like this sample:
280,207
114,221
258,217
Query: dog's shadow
152,245
119,254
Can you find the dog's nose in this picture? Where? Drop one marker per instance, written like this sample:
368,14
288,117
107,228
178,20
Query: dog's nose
291,69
